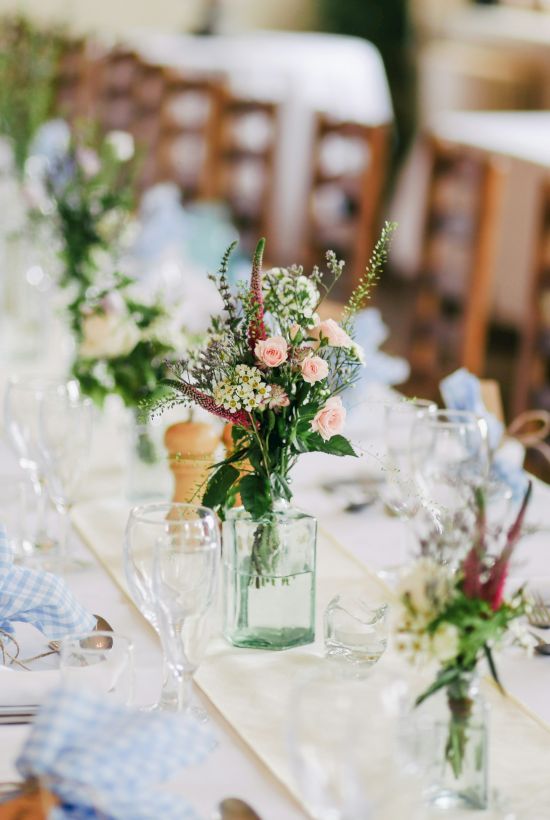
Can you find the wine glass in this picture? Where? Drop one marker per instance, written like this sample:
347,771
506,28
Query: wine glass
65,429
22,411
450,457
400,492
184,581
159,526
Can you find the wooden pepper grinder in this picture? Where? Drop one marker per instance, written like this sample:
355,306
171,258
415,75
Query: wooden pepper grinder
191,448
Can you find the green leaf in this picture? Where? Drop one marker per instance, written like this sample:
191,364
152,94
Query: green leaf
255,495
336,446
219,485
492,667
444,678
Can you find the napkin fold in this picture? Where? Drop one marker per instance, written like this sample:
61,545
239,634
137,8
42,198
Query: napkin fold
94,754
380,368
38,598
462,391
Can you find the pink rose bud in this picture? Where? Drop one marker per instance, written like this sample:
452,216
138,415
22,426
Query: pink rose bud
271,352
314,369
331,331
294,331
330,420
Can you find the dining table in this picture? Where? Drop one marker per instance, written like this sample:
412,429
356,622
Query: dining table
249,760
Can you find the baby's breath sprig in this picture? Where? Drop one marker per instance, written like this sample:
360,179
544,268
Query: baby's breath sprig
378,259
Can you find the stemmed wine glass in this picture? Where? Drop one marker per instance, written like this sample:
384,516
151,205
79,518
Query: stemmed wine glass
171,557
22,413
65,429
450,457
400,492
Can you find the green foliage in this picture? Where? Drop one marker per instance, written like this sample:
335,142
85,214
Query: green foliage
378,259
29,57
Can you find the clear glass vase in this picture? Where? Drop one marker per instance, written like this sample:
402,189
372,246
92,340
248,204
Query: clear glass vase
269,579
458,775
147,469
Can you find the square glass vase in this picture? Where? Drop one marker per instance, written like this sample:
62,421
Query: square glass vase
269,579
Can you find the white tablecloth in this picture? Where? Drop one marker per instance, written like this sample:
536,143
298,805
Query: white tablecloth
304,72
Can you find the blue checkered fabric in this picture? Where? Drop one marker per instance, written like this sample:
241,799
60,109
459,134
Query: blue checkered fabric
104,760
38,598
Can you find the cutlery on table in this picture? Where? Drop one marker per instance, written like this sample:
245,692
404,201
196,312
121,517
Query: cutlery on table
232,808
542,648
539,615
101,642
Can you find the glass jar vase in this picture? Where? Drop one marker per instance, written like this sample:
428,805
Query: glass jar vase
458,775
269,579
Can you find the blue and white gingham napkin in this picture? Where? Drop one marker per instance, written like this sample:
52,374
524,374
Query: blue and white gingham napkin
462,391
96,754
38,598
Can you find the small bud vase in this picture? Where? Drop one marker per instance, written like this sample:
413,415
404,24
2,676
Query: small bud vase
458,774
269,578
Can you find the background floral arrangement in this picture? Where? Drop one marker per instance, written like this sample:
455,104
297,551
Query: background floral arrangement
123,341
88,183
455,618
276,371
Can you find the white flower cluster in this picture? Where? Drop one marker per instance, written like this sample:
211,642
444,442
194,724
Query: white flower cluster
243,390
290,295
424,594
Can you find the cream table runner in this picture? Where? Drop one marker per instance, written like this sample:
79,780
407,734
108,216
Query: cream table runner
252,689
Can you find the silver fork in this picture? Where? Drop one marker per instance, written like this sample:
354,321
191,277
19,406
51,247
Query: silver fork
539,614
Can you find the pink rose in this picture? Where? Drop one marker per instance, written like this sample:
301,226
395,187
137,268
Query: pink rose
332,332
271,352
314,369
329,421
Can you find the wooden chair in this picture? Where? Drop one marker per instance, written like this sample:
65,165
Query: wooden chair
72,98
347,183
114,85
532,383
244,167
453,287
188,144
149,90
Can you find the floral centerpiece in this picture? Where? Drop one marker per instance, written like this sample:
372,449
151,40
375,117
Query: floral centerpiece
274,370
455,618
89,186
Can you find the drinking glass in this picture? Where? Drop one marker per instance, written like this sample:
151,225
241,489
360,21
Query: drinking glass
184,581
101,662
400,493
356,633
22,417
65,430
343,745
450,456
165,525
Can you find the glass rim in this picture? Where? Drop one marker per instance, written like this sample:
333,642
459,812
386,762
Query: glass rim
140,512
456,418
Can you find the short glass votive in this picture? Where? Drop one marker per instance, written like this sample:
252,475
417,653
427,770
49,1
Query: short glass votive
356,633
100,662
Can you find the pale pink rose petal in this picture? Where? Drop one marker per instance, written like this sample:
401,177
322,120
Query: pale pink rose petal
271,352
330,419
